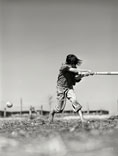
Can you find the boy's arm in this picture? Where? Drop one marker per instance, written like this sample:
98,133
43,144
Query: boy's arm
80,71
74,70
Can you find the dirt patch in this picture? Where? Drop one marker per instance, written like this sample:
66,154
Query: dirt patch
37,137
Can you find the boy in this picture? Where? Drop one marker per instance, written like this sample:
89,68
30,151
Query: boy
68,76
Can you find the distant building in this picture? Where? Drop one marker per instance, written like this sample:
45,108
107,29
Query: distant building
44,112
94,112
97,112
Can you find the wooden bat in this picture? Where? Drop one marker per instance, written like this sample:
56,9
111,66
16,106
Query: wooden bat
79,76
104,73
84,74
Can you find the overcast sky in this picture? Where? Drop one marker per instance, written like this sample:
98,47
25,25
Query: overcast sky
37,36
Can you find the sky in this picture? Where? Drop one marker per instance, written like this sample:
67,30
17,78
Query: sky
36,37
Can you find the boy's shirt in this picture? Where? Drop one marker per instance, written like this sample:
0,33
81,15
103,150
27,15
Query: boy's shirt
66,79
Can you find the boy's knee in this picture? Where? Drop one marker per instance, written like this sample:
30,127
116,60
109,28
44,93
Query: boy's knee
74,101
76,106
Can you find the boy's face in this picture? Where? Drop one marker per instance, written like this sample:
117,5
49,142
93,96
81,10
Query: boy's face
73,65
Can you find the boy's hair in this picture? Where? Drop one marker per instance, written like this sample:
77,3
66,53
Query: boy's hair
72,59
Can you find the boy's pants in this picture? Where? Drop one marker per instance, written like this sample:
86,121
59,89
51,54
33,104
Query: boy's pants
62,95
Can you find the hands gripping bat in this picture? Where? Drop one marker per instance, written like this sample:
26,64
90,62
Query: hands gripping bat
79,76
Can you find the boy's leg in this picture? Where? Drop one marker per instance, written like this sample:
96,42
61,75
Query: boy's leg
81,116
76,106
61,102
51,115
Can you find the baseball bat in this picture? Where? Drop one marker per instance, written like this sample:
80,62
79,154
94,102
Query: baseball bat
104,73
78,77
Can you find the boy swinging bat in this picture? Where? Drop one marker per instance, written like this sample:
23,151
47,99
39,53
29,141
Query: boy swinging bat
68,76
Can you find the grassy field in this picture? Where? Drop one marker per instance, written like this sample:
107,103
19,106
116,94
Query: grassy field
64,137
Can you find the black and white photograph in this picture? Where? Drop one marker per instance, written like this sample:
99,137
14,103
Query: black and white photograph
58,77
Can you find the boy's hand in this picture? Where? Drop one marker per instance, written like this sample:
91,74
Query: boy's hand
87,73
90,72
